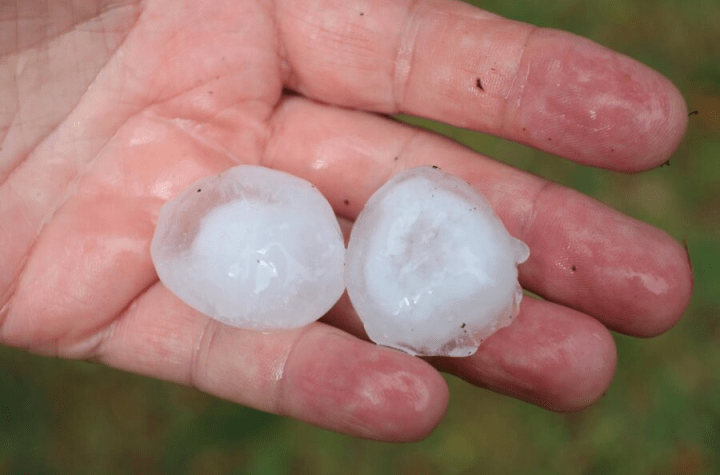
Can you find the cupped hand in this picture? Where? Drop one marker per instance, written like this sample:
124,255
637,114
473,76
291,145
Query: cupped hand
109,108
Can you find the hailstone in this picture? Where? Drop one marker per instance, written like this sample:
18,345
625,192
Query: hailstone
252,247
430,268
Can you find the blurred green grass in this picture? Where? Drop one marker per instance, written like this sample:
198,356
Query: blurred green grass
660,416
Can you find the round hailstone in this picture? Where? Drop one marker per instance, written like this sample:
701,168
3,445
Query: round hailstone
253,248
431,270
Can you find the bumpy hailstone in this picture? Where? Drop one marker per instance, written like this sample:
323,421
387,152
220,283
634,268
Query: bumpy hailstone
431,270
253,248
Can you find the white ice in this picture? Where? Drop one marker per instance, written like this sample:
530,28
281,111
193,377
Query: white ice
253,248
430,268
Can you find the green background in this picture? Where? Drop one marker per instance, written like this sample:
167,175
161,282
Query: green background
660,416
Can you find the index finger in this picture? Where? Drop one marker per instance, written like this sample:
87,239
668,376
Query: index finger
448,61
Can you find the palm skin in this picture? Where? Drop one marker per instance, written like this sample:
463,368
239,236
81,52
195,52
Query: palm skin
109,108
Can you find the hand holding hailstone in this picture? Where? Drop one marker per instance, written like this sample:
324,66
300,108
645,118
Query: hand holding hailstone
143,98
431,270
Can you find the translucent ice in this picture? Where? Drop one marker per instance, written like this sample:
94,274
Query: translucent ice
252,247
431,270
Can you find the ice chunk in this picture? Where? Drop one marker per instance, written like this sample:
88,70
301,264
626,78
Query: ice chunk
431,270
252,247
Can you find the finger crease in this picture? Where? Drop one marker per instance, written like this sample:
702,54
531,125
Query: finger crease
280,400
199,355
404,53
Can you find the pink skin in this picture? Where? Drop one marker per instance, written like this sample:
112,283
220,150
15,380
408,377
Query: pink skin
110,108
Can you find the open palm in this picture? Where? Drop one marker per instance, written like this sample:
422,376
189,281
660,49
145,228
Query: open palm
109,108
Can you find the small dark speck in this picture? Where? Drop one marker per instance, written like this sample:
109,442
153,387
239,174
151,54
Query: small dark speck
666,164
199,190
347,202
362,13
693,113
478,84
612,150
435,167
462,326
396,158
258,261
574,268
549,139
524,129
210,92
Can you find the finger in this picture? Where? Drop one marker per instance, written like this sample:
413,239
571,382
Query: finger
451,62
632,277
550,356
316,374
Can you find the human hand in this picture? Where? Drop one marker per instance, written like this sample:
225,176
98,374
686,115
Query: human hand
110,108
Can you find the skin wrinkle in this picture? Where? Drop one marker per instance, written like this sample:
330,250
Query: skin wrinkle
401,153
405,51
189,127
470,55
80,347
522,75
160,350
527,226
108,332
22,61
10,64
282,385
284,70
197,371
279,367
49,29
212,372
